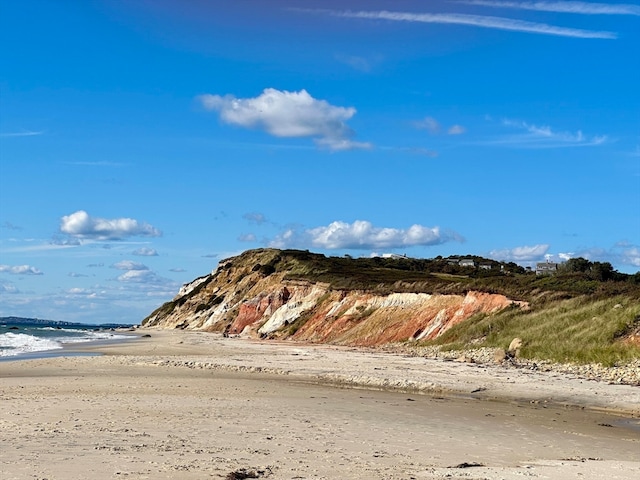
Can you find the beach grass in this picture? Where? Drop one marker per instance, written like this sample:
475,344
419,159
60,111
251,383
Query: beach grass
577,330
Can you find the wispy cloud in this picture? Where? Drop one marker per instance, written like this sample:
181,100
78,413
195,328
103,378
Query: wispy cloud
361,64
11,226
456,130
21,134
363,235
96,164
247,237
481,21
7,287
288,115
429,124
145,252
432,126
536,136
255,217
584,8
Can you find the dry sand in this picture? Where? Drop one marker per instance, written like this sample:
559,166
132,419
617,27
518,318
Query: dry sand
186,405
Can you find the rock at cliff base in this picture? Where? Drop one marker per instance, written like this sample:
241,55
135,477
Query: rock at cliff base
514,348
499,355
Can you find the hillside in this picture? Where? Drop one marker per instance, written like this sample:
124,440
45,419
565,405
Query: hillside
298,295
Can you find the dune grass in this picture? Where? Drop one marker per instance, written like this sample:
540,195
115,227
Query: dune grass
577,330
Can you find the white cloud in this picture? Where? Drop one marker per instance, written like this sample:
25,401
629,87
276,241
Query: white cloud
521,254
145,252
429,124
498,23
585,8
81,225
456,130
177,270
357,63
363,235
631,256
129,265
6,287
248,237
142,276
288,115
19,270
432,126
535,136
64,241
21,134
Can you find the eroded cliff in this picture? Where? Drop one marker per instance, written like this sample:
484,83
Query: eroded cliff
269,293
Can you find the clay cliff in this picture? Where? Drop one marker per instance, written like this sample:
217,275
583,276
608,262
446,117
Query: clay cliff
292,294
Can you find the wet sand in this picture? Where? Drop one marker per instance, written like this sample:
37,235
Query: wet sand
193,405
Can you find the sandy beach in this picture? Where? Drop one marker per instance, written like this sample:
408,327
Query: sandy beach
187,405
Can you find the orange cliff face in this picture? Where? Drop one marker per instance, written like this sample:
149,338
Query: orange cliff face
239,298
253,310
366,320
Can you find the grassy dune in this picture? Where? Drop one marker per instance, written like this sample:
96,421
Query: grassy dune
580,330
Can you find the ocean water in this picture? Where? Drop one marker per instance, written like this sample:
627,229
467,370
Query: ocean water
18,340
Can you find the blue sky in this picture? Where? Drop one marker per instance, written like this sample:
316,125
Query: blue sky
143,141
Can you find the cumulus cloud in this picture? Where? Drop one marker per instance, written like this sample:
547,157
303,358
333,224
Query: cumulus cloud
77,275
584,8
81,292
81,225
622,253
288,115
363,235
521,254
145,252
177,270
631,256
20,270
129,265
142,276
